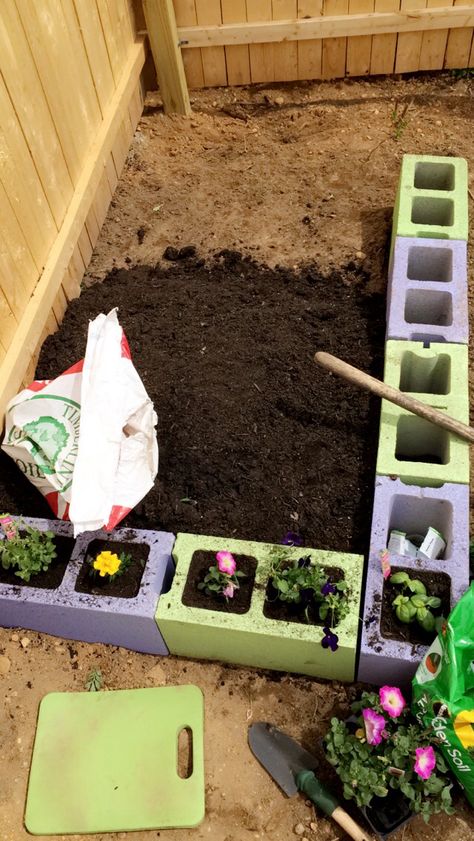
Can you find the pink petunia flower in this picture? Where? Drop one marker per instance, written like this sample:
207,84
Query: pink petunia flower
226,562
425,762
392,701
374,726
229,591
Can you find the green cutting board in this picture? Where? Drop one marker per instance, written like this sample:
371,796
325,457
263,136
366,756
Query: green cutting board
107,762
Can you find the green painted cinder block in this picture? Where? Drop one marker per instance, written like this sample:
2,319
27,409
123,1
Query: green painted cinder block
432,198
252,639
411,448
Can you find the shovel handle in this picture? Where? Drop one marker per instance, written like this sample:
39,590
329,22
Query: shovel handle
321,797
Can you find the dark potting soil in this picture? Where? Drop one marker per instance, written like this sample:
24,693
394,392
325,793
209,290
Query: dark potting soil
52,577
125,586
255,439
437,584
273,608
199,566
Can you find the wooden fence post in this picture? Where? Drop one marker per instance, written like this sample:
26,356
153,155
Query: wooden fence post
164,41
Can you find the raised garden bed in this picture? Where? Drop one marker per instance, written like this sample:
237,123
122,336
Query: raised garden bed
251,638
255,439
97,616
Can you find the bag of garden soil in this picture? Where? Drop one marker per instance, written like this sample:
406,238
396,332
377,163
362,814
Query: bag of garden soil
443,691
87,439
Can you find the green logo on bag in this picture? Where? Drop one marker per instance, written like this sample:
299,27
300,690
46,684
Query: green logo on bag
47,437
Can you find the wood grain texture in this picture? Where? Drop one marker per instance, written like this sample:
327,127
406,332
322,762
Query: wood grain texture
237,57
185,12
359,49
433,44
285,55
262,67
384,47
334,49
458,47
163,35
310,52
409,43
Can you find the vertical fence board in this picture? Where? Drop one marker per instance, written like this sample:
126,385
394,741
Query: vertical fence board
20,273
458,47
261,55
384,47
26,92
286,54
63,68
409,43
96,49
22,184
359,48
185,11
237,57
208,12
334,49
433,44
310,52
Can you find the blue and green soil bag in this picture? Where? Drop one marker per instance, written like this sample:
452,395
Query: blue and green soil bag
443,691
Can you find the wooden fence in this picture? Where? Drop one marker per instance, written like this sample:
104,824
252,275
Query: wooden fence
200,43
70,99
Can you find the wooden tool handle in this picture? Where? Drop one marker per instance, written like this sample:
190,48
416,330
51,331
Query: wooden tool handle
351,827
365,381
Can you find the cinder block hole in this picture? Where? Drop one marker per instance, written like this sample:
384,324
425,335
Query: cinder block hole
434,176
428,307
432,211
435,264
414,517
425,374
421,441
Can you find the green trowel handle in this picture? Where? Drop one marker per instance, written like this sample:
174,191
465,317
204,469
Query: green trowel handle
320,796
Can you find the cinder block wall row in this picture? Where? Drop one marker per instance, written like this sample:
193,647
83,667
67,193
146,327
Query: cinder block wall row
422,474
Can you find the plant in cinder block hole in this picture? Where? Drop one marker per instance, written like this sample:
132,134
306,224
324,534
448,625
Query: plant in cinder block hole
315,595
108,565
222,579
387,761
25,551
413,603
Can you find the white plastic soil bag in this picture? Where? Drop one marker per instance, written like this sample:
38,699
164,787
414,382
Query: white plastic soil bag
87,439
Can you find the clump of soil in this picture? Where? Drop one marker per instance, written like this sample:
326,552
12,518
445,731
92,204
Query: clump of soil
49,579
255,439
437,584
125,586
198,568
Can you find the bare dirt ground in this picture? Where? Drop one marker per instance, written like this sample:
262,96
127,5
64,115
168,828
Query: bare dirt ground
288,175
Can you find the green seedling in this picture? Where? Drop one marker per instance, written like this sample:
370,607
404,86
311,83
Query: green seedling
301,582
414,607
94,681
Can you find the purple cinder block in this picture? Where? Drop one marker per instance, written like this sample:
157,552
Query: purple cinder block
127,622
427,291
410,509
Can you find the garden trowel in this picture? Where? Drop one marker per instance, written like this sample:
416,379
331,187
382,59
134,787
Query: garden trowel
292,768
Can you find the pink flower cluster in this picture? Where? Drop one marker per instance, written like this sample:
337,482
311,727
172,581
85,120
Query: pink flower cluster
226,562
393,703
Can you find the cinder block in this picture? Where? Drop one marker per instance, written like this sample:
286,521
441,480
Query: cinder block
432,198
427,291
251,638
420,452
63,612
410,509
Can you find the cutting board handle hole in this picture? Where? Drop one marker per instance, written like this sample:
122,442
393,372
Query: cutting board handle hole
185,753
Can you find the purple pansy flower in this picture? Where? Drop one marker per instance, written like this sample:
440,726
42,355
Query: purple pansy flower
328,589
292,539
330,639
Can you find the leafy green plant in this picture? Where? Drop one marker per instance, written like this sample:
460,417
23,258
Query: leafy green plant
416,606
29,552
383,748
302,582
94,681
223,578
